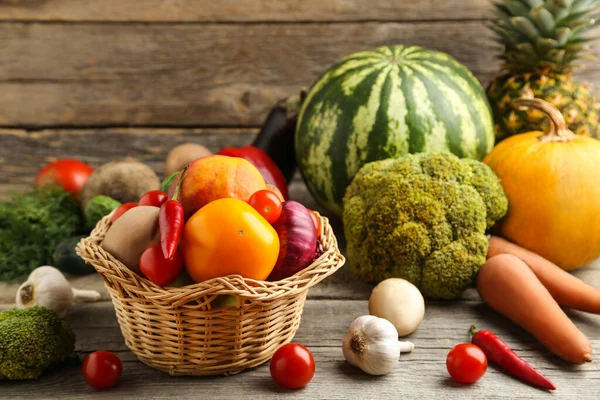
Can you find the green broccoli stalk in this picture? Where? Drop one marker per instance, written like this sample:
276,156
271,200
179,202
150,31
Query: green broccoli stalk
422,218
31,340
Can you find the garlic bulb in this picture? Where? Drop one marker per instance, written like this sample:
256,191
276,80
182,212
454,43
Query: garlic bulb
372,345
47,287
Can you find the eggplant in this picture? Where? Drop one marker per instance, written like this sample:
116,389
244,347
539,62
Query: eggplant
277,134
297,240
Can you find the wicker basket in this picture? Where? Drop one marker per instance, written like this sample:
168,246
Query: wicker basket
175,330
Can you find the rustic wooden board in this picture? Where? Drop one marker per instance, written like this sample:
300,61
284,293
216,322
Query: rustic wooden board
421,374
195,74
242,10
23,153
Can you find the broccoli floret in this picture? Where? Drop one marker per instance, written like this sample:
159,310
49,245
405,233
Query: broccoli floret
32,339
97,208
422,218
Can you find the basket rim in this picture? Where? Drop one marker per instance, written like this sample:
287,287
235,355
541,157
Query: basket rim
90,249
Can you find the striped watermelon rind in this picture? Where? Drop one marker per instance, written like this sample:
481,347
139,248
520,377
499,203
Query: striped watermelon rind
385,103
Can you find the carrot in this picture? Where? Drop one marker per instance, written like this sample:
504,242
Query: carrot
567,290
511,288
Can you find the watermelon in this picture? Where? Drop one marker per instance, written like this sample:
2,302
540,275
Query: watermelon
385,103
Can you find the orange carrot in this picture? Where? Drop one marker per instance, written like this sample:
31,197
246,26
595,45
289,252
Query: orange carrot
511,288
567,290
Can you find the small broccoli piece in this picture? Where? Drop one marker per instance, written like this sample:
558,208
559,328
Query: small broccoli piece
31,340
97,208
422,218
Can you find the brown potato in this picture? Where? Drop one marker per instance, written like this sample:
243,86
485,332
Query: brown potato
182,155
132,234
124,181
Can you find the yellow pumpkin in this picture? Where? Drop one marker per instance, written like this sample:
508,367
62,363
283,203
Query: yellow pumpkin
552,182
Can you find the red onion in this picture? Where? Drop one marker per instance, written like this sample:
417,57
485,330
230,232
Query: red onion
297,238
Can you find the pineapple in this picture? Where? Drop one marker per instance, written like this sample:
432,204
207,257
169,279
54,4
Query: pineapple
543,39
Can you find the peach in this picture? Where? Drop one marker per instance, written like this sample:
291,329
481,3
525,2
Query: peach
216,177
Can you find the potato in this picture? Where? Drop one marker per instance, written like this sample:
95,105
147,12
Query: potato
182,155
132,234
124,181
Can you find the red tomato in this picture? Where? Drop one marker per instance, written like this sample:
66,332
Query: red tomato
154,198
466,363
67,173
102,369
267,204
122,209
157,268
292,366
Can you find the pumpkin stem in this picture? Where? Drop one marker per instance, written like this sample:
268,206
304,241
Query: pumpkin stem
558,130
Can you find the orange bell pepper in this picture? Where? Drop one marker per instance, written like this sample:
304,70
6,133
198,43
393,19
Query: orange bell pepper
226,237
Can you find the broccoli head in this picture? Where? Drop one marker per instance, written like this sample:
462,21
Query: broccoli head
422,218
31,340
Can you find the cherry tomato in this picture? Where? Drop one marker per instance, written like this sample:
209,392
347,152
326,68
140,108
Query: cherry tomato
316,221
67,173
122,209
267,204
102,369
157,268
154,198
466,363
292,366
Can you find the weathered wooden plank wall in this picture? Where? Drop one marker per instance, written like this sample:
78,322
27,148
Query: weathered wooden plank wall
75,76
242,10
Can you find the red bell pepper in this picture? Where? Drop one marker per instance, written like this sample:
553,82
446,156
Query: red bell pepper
261,160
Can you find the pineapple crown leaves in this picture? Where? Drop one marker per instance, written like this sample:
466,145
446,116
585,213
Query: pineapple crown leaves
545,34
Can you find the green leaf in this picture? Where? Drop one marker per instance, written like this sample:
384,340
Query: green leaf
544,45
556,56
564,3
526,27
575,19
553,7
508,36
517,8
533,3
31,224
561,14
583,6
543,20
563,35
527,50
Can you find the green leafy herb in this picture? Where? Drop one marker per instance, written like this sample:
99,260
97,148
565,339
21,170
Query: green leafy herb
31,225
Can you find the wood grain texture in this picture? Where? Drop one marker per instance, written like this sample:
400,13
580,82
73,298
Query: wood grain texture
242,10
216,74
23,153
195,74
421,374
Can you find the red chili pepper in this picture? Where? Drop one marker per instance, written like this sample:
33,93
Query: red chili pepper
171,221
261,160
498,352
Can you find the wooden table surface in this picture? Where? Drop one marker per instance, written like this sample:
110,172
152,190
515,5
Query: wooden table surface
331,307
